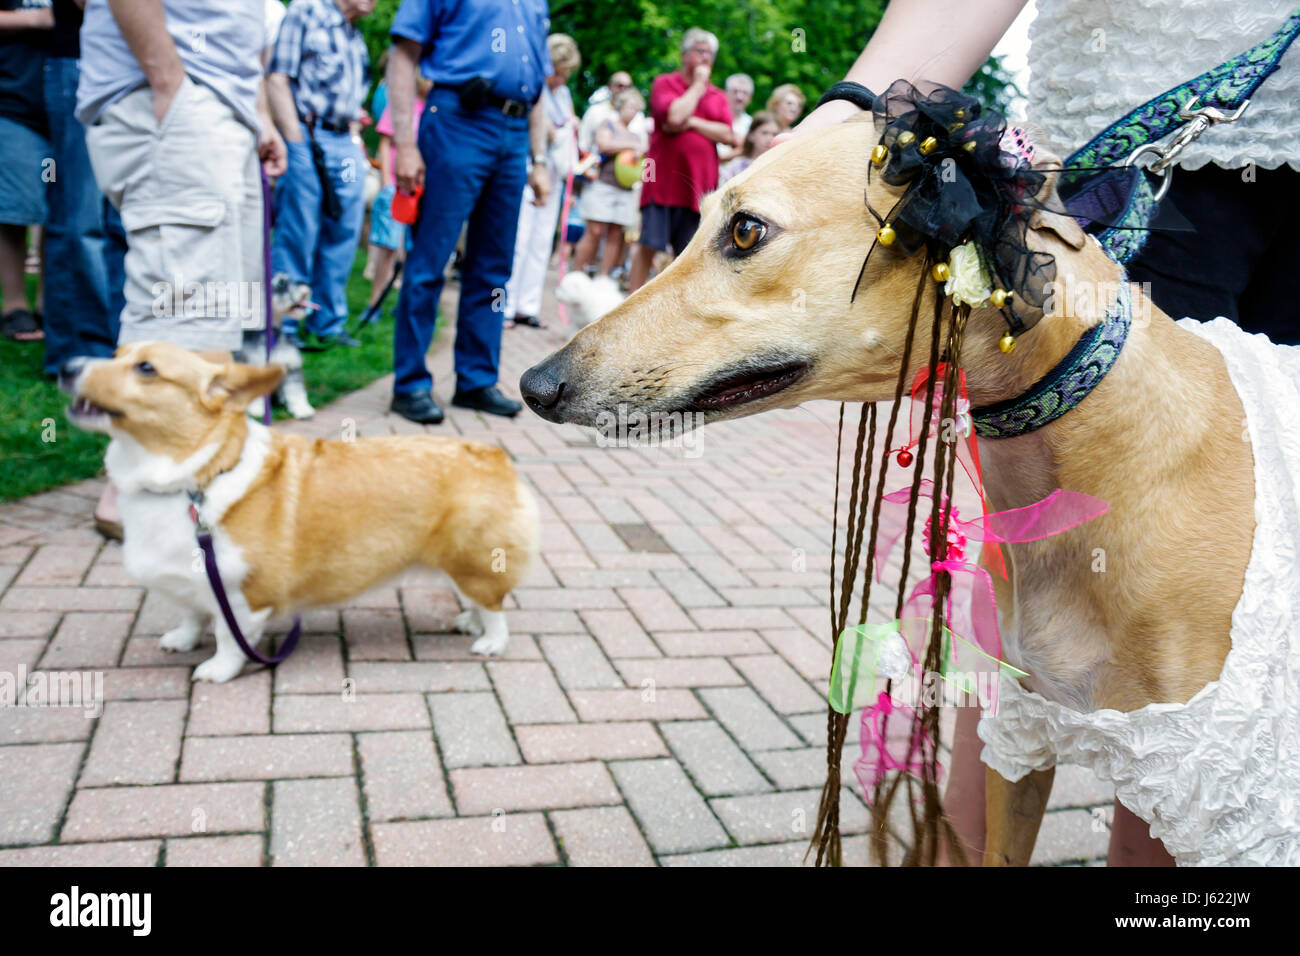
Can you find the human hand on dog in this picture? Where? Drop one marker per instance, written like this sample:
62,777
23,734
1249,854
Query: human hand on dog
828,114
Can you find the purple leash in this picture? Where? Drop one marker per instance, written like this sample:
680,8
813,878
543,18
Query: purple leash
204,535
266,283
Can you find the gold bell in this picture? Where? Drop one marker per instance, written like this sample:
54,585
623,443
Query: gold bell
1001,297
1007,343
885,235
953,127
928,145
941,272
905,137
969,146
879,155
960,114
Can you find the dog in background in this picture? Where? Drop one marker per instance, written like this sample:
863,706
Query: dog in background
296,523
288,299
589,297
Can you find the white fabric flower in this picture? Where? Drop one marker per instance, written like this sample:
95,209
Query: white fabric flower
894,660
967,280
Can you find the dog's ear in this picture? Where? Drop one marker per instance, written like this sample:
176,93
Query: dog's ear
236,385
1044,219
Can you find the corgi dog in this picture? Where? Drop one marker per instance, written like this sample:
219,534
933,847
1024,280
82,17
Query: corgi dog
590,297
296,522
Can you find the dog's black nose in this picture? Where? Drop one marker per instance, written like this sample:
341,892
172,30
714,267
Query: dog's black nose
542,387
69,371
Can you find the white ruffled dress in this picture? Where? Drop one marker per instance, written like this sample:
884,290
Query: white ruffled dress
1217,778
1092,61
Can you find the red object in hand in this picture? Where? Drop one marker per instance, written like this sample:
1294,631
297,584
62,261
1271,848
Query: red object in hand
406,206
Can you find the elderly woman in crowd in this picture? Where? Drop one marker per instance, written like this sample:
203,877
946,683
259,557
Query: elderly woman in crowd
786,104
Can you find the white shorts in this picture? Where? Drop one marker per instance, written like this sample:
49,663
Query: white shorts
190,194
601,202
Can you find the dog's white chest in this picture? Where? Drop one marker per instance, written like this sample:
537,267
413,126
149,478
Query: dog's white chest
160,549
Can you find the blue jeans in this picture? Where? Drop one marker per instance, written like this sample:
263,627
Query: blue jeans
475,169
307,245
79,261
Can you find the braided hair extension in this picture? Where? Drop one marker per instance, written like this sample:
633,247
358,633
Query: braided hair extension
826,835
961,185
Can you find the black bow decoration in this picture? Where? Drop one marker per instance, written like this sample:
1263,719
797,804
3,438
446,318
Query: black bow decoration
965,181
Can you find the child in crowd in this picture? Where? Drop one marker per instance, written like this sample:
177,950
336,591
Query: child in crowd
388,237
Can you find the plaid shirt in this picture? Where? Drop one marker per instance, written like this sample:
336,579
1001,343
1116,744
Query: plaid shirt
325,59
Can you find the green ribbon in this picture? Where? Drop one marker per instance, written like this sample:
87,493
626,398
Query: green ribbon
857,655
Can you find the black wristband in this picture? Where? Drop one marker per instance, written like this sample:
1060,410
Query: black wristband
855,93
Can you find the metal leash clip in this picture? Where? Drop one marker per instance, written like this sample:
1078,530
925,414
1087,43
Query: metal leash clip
1199,119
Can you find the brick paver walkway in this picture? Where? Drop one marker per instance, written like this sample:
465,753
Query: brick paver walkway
662,700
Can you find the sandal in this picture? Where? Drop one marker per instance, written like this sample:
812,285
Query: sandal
21,325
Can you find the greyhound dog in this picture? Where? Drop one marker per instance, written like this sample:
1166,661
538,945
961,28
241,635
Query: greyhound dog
756,314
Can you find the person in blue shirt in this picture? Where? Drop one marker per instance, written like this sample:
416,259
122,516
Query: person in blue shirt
481,138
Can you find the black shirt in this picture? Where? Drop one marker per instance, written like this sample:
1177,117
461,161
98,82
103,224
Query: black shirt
63,39
22,70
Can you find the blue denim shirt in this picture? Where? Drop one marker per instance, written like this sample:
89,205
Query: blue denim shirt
503,41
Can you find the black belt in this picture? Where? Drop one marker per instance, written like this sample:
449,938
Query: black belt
329,127
475,97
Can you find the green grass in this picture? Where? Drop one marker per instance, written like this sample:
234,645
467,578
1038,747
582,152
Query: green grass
39,450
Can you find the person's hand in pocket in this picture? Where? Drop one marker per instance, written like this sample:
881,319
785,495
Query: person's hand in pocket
164,91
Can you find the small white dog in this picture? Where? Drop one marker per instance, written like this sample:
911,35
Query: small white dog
590,298
288,299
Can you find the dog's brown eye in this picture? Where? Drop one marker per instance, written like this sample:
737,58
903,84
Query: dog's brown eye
145,369
745,233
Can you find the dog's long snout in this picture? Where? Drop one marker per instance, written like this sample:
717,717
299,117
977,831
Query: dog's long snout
542,387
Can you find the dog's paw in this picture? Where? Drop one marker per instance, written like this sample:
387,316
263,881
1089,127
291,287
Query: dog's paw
182,638
257,408
295,400
219,669
491,646
467,622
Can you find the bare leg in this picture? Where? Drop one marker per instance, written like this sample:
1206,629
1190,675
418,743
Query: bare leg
13,261
963,801
642,256
108,516
384,260
613,248
585,254
1131,843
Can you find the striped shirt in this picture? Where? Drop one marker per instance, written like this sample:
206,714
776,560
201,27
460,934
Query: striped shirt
326,61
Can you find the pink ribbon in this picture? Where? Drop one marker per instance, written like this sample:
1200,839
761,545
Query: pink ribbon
977,618
880,753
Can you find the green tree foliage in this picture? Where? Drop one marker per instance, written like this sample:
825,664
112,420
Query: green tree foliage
810,43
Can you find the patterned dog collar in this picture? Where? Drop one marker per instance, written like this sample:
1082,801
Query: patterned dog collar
1065,386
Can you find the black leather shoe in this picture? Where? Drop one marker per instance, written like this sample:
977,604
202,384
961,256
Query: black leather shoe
418,407
488,400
